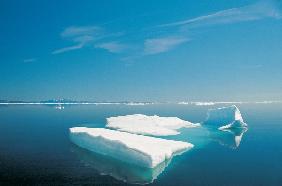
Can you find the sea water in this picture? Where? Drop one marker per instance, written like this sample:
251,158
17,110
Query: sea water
35,148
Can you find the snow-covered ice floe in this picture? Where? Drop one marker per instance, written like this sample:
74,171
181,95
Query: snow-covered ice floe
225,118
136,149
148,125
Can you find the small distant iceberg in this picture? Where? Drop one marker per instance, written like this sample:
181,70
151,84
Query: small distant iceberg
137,104
203,103
183,103
144,151
225,118
148,125
196,103
59,107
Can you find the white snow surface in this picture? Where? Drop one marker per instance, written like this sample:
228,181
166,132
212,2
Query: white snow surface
225,118
144,151
148,125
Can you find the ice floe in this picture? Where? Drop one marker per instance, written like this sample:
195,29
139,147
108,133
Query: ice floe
203,103
148,125
144,151
183,103
137,104
225,118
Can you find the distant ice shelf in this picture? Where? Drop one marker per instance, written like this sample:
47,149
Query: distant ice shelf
148,125
225,118
140,150
203,103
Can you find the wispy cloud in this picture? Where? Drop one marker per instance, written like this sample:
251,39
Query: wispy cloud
257,11
83,39
159,45
30,60
260,10
80,36
172,34
74,31
113,47
70,48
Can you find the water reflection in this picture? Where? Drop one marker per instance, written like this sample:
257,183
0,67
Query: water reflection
229,137
117,169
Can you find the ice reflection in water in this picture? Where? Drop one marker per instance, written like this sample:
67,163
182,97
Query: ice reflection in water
117,169
229,137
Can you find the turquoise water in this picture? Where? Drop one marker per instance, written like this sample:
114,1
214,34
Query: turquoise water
35,148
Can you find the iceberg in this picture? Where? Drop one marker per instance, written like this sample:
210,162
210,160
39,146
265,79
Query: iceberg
144,151
225,118
148,125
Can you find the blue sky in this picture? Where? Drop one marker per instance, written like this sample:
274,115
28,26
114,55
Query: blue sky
141,50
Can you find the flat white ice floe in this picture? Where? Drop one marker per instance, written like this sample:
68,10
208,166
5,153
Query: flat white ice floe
225,118
137,104
203,103
148,125
183,103
140,150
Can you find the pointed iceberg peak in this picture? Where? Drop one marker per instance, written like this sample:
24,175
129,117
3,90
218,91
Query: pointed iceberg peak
225,118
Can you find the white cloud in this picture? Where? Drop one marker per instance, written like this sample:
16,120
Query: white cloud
29,60
74,31
159,45
81,36
83,39
66,49
113,47
260,10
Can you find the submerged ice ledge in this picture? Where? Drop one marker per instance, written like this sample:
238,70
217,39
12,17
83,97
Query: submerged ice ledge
140,150
148,125
126,172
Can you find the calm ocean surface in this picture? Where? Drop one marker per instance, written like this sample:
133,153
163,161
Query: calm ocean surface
35,148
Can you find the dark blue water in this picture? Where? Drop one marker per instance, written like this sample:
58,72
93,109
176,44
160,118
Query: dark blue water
35,148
